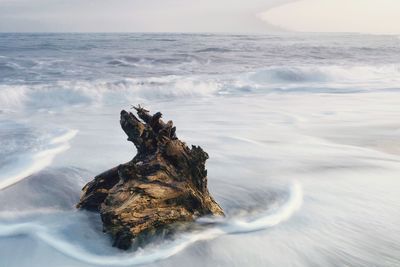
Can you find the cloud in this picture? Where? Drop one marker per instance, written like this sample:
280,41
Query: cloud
364,16
135,15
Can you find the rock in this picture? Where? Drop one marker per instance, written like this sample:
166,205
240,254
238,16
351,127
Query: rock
164,184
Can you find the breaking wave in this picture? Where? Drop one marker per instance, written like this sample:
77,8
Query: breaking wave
64,94
336,74
50,236
315,79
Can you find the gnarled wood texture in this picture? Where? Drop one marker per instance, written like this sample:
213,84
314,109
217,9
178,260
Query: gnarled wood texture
165,183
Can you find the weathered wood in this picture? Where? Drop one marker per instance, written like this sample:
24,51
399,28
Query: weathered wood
165,183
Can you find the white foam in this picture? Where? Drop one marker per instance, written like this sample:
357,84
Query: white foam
64,138
272,218
12,96
30,163
144,256
71,93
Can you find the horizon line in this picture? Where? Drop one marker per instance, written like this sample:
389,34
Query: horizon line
189,32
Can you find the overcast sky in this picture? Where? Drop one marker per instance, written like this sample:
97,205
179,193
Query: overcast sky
365,16
251,16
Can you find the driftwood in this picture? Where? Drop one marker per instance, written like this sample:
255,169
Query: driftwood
165,183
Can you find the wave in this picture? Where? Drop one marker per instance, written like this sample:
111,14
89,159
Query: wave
213,49
292,74
132,59
73,93
116,62
6,68
168,248
151,62
26,164
278,79
318,74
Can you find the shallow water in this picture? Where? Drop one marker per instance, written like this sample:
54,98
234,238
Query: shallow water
302,132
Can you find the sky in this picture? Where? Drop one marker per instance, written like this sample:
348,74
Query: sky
241,16
363,16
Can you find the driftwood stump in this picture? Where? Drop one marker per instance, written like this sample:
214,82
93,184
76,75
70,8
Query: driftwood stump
165,183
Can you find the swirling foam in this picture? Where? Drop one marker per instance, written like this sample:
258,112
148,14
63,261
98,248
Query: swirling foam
168,249
29,163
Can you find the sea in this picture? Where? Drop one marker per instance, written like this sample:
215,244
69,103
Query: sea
302,130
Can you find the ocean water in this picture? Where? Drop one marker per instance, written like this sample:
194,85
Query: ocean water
302,130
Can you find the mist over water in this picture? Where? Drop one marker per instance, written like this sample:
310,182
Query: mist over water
302,132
